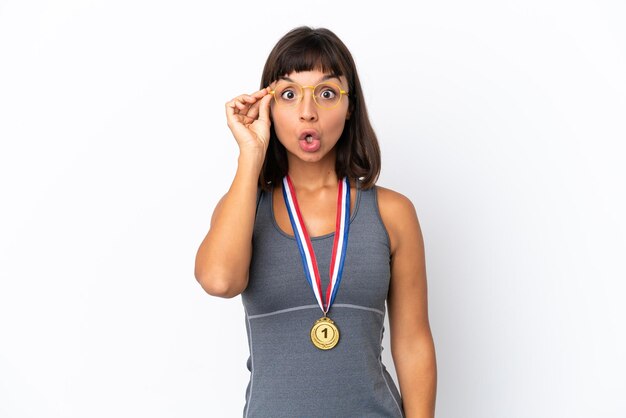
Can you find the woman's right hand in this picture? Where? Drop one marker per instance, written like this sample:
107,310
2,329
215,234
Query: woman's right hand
248,117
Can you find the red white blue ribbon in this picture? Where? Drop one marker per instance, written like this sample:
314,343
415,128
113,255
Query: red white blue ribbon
340,244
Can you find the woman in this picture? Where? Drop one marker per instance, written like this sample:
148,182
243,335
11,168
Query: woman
304,202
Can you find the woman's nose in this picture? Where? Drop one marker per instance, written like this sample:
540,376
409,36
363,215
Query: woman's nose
308,108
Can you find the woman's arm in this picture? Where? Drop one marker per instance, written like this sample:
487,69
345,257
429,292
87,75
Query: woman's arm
412,345
223,258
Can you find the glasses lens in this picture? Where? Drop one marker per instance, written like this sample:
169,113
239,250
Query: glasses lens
287,94
327,95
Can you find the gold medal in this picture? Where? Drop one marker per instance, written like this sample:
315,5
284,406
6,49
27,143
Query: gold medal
324,333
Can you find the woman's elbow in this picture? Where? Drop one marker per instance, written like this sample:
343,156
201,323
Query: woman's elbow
219,285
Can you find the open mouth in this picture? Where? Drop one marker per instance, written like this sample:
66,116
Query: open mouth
309,140
309,135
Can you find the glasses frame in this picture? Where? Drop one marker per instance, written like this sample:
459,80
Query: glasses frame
342,92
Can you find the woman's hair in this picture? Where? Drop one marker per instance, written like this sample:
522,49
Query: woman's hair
307,49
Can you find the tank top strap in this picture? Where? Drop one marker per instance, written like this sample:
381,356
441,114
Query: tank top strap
368,216
264,213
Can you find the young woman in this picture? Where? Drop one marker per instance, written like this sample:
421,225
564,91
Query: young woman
315,248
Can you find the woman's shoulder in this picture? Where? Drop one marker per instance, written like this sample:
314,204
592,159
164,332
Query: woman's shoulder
397,213
392,201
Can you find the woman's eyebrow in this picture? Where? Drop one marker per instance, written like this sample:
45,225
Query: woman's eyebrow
328,77
325,78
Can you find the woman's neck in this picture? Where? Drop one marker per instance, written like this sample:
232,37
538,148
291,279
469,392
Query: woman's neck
313,176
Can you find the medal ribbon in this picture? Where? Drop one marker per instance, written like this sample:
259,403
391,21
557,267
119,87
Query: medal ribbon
340,245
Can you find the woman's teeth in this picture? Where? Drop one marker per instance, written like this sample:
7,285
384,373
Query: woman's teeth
309,139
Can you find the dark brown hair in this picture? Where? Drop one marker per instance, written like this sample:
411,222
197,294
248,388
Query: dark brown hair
307,49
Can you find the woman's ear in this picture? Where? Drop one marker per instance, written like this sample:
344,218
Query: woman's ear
349,112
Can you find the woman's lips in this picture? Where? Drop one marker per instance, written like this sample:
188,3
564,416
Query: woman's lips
309,140
311,146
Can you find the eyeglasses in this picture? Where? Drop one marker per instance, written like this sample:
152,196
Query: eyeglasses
326,95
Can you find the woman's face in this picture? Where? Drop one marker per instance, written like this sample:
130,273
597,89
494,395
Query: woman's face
307,131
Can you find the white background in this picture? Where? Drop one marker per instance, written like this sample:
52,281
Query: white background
503,122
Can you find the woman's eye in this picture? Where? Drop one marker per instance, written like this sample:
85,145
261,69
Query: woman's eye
288,95
328,94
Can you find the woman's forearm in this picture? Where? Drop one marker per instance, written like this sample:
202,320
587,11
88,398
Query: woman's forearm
416,368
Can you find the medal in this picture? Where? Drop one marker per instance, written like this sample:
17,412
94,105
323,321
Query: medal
324,333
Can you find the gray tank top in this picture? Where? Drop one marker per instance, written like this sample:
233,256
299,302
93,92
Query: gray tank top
289,376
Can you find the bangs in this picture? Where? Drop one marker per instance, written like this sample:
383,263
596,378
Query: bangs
310,54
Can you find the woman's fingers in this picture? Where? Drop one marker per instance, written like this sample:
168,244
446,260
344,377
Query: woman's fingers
230,110
260,110
264,108
253,112
234,113
243,102
245,109
259,94
240,103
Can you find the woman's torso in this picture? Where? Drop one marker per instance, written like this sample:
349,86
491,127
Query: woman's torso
290,377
